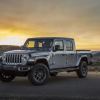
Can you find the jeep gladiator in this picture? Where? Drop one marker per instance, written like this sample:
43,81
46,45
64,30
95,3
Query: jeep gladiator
40,58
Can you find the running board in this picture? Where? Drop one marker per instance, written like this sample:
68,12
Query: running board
64,69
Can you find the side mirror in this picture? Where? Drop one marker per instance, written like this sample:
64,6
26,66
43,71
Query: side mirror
56,48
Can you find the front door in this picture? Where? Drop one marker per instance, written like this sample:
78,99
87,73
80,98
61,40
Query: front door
59,56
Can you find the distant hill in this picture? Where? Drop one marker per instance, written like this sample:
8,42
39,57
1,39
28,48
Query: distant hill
4,48
96,53
96,56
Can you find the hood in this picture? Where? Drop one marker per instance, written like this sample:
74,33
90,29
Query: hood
32,52
22,51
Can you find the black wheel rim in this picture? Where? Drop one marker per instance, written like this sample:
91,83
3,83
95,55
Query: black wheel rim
39,75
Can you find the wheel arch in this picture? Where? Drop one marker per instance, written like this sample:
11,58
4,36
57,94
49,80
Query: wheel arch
43,61
84,58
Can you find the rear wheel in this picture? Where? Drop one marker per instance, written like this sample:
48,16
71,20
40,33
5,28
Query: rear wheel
39,74
83,70
4,77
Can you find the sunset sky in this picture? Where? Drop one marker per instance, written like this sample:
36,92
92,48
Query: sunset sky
78,19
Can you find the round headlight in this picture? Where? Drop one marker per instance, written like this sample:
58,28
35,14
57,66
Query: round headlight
25,58
0,58
3,57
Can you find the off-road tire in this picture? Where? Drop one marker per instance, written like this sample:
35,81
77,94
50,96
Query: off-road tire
83,70
6,77
39,74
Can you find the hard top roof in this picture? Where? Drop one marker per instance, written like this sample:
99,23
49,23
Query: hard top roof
51,38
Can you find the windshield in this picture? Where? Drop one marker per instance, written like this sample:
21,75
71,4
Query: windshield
39,44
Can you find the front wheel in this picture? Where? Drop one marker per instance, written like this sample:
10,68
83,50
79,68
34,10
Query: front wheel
6,77
39,74
83,70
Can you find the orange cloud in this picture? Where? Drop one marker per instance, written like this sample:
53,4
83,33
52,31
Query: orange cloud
79,19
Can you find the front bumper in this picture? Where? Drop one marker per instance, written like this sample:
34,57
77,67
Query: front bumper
18,68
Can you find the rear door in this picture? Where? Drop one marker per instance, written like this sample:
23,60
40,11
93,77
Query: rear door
71,56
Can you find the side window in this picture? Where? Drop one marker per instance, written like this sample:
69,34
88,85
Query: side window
69,46
60,44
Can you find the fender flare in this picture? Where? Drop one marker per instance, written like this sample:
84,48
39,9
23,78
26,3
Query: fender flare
85,58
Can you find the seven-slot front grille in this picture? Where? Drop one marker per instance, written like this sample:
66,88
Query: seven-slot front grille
12,59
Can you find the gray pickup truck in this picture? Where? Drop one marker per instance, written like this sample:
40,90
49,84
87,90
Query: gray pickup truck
40,58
